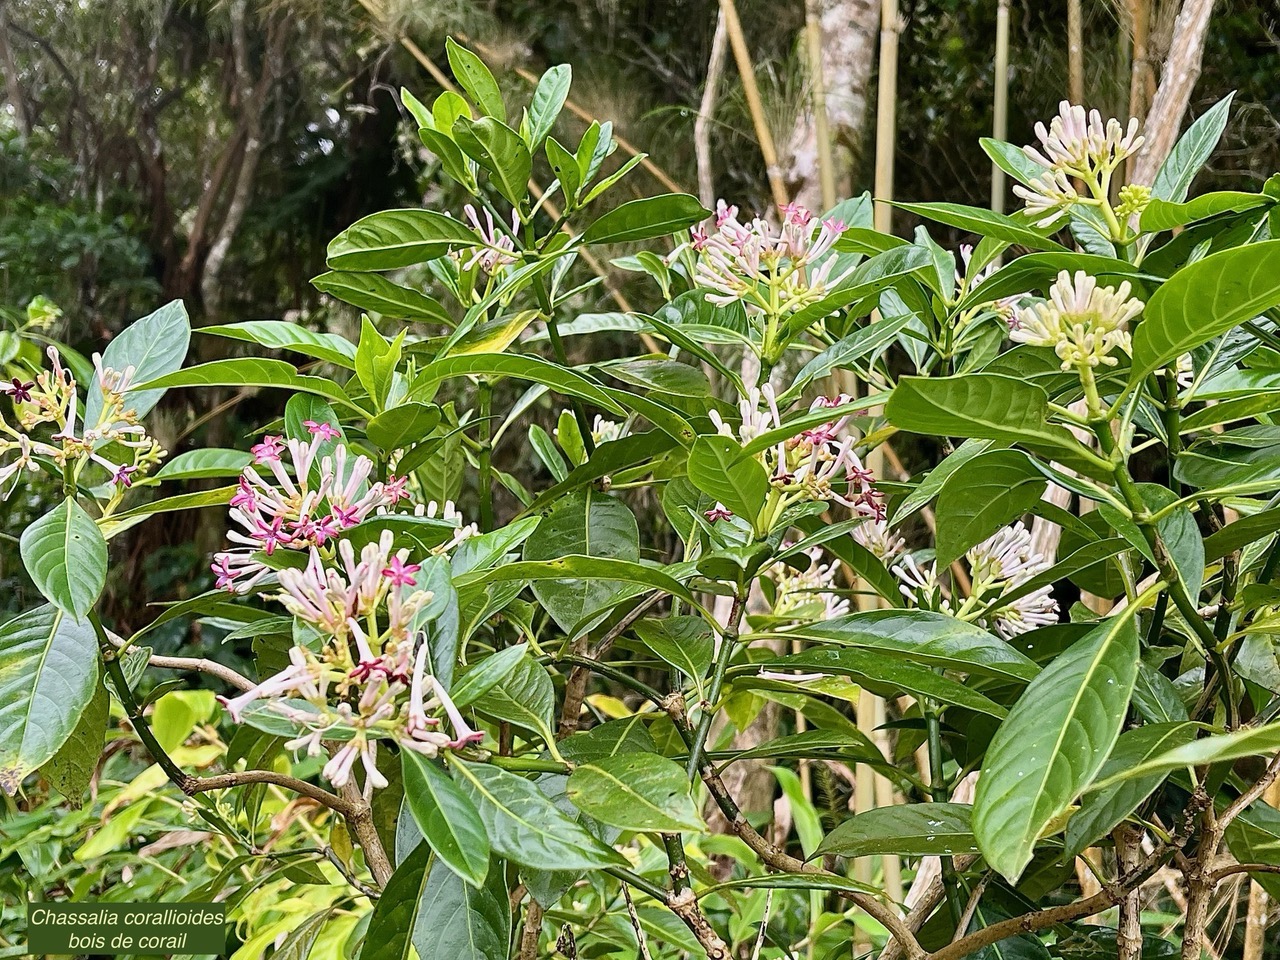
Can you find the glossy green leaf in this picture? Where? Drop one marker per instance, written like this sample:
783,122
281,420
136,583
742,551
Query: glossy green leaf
253,372
283,335
403,425
460,922
646,219
586,523
547,102
551,375
908,830
205,464
931,484
636,791
684,642
1102,810
886,675
1161,215
984,222
983,495
1248,742
981,405
486,674
474,77
66,556
565,166
71,769
1204,300
447,819
524,697
371,291
48,675
1055,740
923,637
396,910
717,468
154,345
391,239
500,151
1190,153
525,826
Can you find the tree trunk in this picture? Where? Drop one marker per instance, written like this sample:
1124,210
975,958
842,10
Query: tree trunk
12,82
848,33
1178,79
706,111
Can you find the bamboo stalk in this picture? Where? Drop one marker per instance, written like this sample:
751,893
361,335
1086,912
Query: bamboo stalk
1000,110
1255,927
886,114
742,57
818,92
706,110
1075,52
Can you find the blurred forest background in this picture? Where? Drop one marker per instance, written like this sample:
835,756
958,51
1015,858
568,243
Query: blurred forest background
160,149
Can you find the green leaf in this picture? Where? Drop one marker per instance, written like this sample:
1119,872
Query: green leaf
71,769
849,744
565,166
909,830
397,238
987,223
153,346
1037,271
1161,215
297,946
923,637
459,922
403,425
1240,533
886,675
486,674
1102,810
446,817
983,405
395,911
1190,153
684,642
931,484
718,468
205,464
474,77
370,291
1055,740
862,286
254,372
646,219
983,495
1204,300
525,697
586,523
841,354
525,826
499,150
48,675
550,375
548,100
1011,159
376,361
283,335
636,791
1249,742
66,556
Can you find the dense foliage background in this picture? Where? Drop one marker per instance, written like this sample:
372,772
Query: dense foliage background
209,153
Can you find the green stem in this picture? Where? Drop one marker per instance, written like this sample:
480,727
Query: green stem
180,778
557,347
938,791
485,403
728,641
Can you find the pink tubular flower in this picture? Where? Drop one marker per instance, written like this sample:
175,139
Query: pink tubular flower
400,573
499,248
268,451
325,431
718,512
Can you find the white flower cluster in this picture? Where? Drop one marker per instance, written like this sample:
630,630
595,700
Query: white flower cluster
997,565
807,594
1075,145
116,441
1082,322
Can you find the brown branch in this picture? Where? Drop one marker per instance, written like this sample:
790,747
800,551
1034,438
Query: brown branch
1037,920
532,930
360,819
1238,868
241,778
685,906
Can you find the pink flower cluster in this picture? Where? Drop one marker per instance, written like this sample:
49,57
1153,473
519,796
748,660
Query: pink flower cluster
307,505
771,270
818,463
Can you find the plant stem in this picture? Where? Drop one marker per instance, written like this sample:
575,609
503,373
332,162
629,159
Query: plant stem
484,401
728,641
557,346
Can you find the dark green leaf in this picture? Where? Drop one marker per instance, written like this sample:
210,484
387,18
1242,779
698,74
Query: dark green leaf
370,291
910,830
1190,153
474,77
984,222
499,150
718,469
153,346
391,239
983,495
636,791
66,556
646,219
446,818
